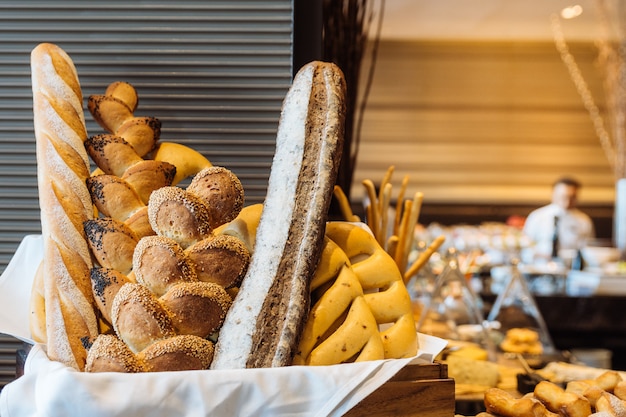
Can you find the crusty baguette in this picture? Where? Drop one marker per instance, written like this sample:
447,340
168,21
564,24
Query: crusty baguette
62,168
263,326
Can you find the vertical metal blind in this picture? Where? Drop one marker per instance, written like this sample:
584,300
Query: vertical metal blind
214,72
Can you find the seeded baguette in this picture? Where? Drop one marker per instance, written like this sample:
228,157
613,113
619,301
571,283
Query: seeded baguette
263,326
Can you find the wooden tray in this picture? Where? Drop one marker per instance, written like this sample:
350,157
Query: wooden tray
417,390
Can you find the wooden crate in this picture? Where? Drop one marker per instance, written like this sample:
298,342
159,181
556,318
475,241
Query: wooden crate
417,390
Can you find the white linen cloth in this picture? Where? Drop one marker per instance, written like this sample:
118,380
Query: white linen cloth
49,388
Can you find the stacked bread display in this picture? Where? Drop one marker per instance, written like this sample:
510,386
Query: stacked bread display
141,274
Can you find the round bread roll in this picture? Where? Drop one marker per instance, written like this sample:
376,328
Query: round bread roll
160,262
222,259
112,243
179,215
110,354
222,192
138,318
178,353
197,308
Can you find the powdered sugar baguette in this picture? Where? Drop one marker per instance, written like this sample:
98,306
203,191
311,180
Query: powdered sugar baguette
62,168
264,324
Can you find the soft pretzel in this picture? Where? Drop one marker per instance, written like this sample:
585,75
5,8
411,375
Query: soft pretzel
62,168
112,243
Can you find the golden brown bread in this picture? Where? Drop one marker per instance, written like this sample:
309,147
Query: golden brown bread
142,133
106,283
37,321
178,353
62,168
110,354
222,259
112,243
125,92
138,318
179,215
159,263
147,176
114,197
111,153
222,192
109,112
197,308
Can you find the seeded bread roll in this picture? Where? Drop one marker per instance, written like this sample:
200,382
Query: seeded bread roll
222,259
62,168
179,215
263,326
138,318
106,283
197,308
178,353
110,354
159,263
222,192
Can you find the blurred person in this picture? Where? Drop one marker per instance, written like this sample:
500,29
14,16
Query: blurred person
559,227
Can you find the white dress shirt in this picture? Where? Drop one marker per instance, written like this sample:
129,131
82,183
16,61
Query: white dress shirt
574,227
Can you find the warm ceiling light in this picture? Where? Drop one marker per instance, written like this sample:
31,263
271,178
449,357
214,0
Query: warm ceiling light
572,11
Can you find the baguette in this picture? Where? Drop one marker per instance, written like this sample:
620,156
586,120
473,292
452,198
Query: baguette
263,326
62,169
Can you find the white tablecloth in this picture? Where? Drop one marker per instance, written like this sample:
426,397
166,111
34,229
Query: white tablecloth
49,388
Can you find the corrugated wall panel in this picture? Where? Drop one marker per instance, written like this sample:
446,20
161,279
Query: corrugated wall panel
213,72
